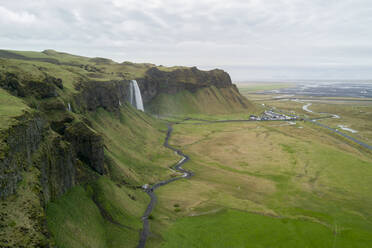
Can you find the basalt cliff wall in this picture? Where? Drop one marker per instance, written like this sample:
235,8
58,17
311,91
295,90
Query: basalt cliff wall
156,81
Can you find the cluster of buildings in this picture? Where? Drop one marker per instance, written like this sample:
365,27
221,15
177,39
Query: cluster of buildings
270,115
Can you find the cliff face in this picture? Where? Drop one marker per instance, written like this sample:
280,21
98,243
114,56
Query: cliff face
88,146
48,149
33,133
108,95
189,90
156,81
21,141
111,94
58,165
37,166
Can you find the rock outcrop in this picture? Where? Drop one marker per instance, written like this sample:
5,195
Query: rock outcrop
57,164
191,79
96,94
40,89
88,145
18,144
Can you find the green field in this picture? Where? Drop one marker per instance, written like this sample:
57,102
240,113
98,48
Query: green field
271,184
354,113
232,228
251,87
296,180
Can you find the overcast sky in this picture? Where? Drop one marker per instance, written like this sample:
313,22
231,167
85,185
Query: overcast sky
251,39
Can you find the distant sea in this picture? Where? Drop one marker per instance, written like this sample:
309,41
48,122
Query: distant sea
323,88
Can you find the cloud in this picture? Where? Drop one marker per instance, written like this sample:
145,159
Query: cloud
13,17
207,33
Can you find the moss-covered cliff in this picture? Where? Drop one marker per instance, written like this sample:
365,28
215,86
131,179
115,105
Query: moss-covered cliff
98,82
72,148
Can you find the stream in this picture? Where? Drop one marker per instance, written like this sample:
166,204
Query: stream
150,190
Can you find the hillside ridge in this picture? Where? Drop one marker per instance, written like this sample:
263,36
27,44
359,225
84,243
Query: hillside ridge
69,138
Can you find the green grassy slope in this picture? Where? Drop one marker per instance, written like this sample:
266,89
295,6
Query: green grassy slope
209,100
107,212
64,63
134,145
76,221
10,107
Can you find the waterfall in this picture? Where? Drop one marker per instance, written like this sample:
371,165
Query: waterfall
69,107
135,97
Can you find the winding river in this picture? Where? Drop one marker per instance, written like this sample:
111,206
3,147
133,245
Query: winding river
150,191
306,108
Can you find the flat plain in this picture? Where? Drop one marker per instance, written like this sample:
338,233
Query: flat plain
270,184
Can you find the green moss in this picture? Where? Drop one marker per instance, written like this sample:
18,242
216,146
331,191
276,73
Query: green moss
10,107
22,214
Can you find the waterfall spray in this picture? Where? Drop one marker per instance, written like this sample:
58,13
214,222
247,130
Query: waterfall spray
135,97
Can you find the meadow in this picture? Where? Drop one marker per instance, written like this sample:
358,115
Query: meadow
266,185
250,87
353,113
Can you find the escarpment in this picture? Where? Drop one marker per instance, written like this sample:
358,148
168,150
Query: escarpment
156,81
72,126
49,144
108,95
19,143
58,111
50,137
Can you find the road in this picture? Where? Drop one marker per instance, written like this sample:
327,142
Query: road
314,121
